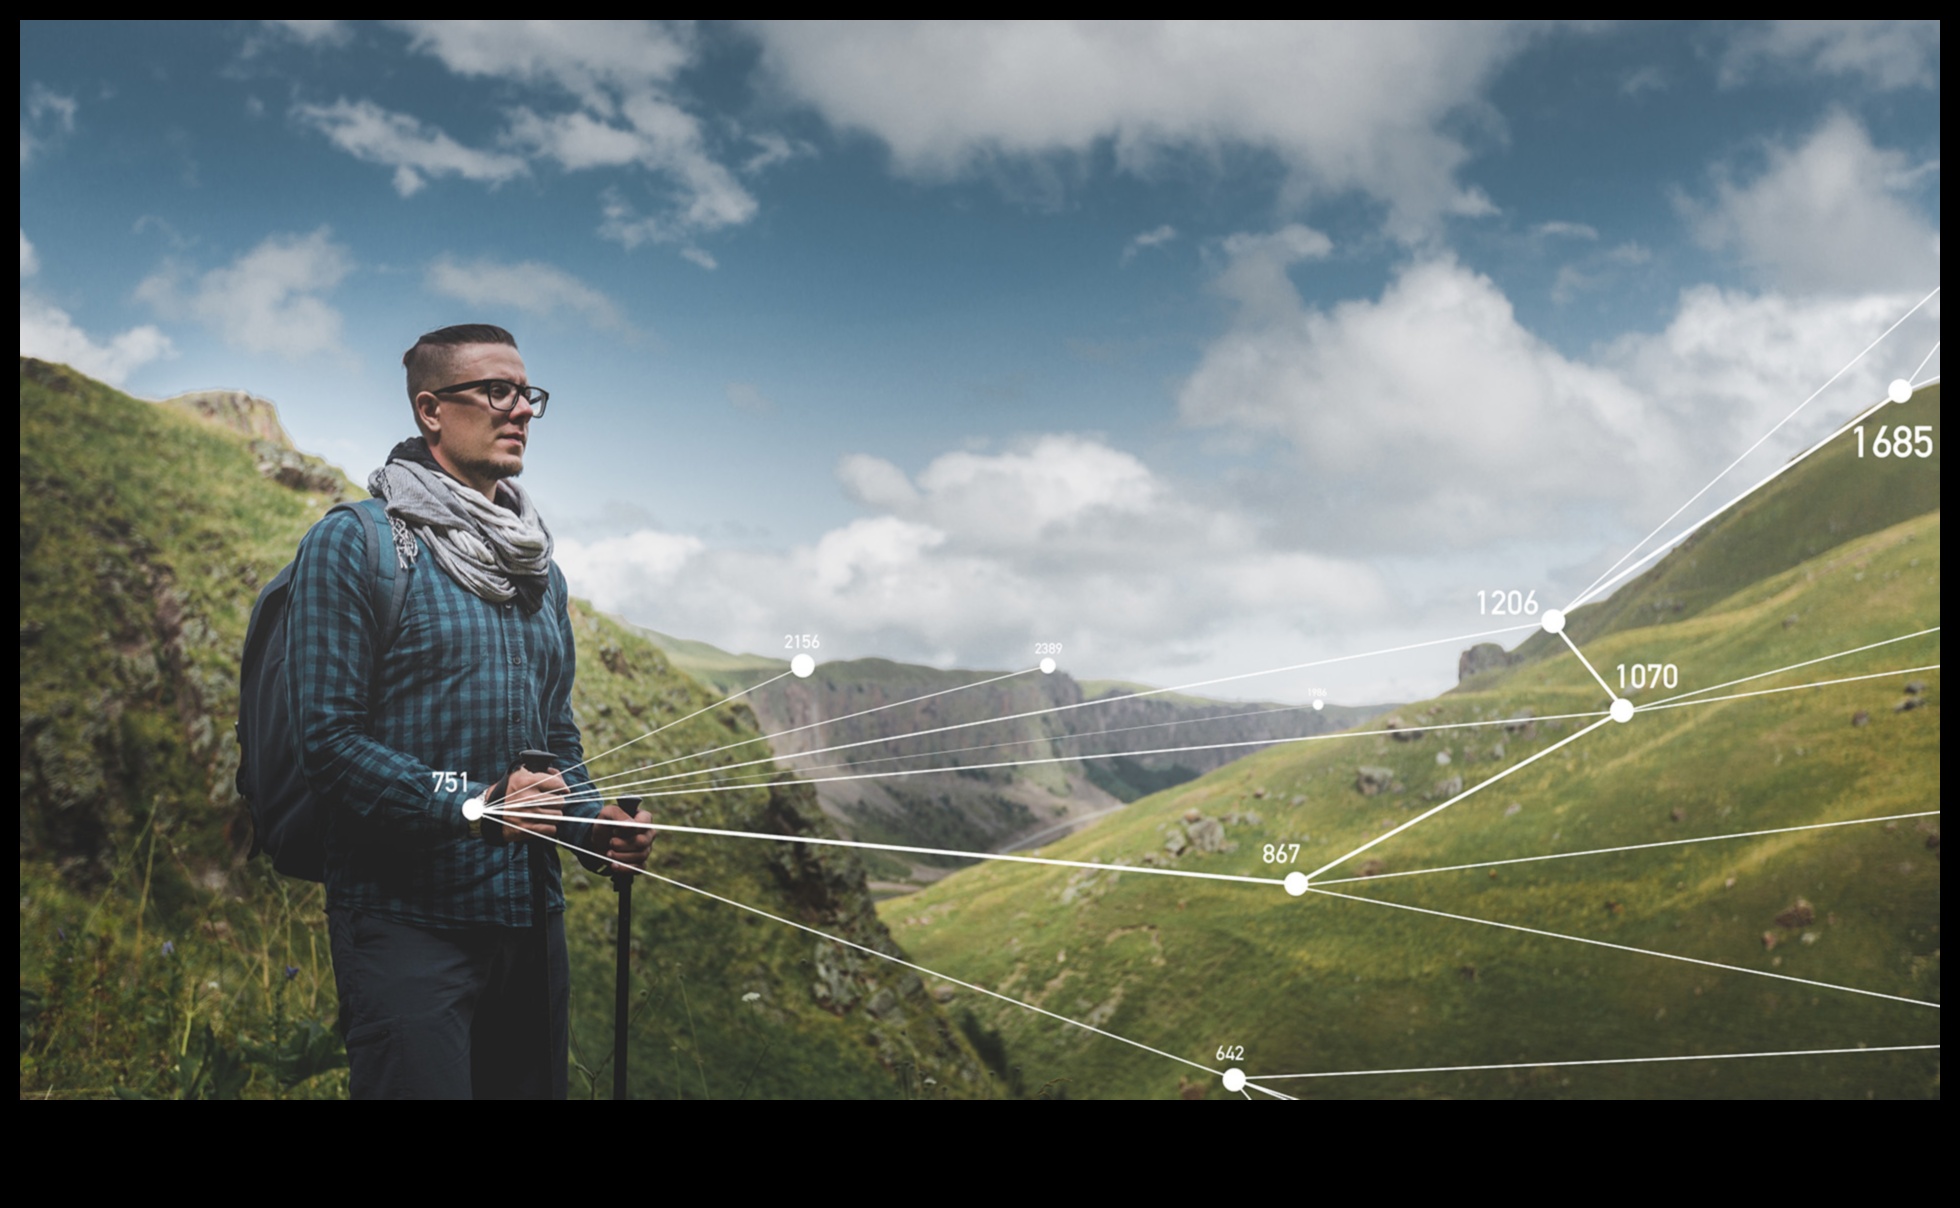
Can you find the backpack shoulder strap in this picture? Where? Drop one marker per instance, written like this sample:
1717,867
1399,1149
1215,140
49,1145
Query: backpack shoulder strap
387,581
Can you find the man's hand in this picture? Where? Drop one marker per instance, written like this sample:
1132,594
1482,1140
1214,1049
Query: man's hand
532,793
624,845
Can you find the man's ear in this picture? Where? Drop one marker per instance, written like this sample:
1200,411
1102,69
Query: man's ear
428,415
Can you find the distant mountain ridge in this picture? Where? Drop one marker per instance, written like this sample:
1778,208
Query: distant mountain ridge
987,808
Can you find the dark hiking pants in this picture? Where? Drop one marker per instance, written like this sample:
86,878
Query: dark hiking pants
452,1013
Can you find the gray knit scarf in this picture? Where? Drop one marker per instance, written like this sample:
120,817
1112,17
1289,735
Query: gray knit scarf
494,552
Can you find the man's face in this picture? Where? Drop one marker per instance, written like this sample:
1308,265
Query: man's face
476,443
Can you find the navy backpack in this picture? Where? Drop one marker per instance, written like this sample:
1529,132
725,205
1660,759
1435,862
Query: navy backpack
289,822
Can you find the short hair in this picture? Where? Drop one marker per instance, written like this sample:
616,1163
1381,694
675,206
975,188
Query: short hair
431,351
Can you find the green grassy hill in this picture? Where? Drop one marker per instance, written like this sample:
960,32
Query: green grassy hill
1840,552
156,961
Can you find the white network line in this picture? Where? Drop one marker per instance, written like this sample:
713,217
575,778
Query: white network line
1602,851
721,833
587,761
1930,354
1792,667
687,790
1849,679
1588,730
1586,594
1478,787
1580,939
989,721
1253,1082
1158,725
1587,664
508,810
883,956
811,726
1540,1065
1672,542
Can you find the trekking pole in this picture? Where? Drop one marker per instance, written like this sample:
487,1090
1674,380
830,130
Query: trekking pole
622,883
537,763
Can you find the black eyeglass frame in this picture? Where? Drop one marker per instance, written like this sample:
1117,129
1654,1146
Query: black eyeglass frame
534,395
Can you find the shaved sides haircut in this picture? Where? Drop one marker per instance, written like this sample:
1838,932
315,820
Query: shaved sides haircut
428,361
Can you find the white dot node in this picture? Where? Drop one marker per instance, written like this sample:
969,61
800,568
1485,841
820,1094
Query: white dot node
803,665
1235,1080
473,809
1622,709
1048,666
1554,620
1320,704
1900,391
1296,883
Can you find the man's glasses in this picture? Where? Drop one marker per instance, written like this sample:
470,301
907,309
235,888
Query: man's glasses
502,394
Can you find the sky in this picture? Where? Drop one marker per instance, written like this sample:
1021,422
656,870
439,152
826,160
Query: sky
1198,349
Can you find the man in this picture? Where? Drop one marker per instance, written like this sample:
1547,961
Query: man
448,934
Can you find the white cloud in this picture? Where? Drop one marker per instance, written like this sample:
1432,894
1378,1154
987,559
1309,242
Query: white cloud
1887,55
657,135
414,150
1255,274
1420,445
1148,239
1825,215
592,60
1431,409
48,332
44,116
746,396
1062,539
1597,270
1343,107
315,33
1643,79
620,74
773,149
535,288
267,300
624,568
1439,424
876,483
1566,230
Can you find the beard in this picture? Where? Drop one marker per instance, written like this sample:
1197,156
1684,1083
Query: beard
489,468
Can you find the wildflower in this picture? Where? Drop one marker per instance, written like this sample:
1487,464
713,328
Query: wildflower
62,934
169,948
292,971
751,996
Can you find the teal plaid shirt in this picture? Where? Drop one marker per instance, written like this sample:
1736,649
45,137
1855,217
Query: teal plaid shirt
465,687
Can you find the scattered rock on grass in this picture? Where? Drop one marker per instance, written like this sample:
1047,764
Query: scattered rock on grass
1371,781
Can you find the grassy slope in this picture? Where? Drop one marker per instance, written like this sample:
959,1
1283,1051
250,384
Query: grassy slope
1318,983
1831,497
714,666
145,534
